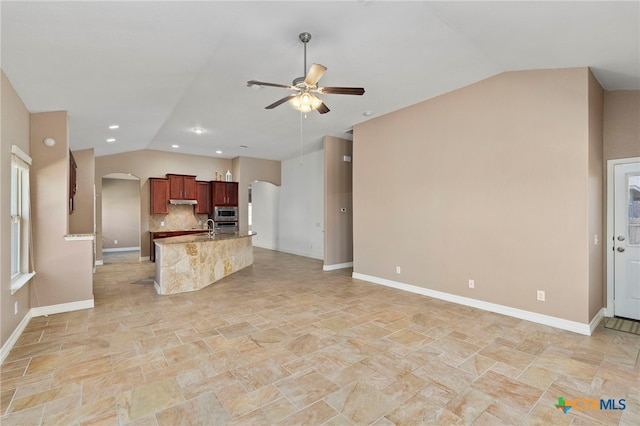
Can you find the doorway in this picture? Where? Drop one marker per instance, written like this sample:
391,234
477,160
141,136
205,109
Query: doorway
264,199
120,218
623,235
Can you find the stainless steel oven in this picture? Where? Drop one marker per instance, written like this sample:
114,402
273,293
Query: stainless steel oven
225,227
225,214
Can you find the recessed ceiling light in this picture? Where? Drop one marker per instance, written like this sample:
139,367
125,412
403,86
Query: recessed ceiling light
218,152
367,113
114,126
175,146
198,130
111,140
243,146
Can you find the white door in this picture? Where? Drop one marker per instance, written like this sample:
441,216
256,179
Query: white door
626,244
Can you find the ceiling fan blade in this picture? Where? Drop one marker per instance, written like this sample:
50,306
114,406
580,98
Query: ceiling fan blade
279,102
323,109
342,90
262,83
314,74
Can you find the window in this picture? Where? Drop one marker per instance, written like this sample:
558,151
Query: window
21,272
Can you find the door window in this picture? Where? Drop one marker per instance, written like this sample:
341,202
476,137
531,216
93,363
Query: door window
634,209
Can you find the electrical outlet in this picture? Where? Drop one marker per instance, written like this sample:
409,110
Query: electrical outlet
162,223
397,269
541,295
472,284
115,241
15,308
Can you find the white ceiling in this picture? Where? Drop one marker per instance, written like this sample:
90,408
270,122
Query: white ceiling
159,69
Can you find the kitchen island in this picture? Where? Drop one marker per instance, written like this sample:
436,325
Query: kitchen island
192,262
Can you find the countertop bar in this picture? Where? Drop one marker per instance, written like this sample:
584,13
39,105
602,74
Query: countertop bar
192,262
201,237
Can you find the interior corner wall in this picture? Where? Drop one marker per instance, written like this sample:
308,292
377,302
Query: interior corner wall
14,130
63,268
338,201
301,219
489,183
81,220
596,205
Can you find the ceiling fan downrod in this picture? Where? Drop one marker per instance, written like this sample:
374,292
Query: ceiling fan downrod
305,38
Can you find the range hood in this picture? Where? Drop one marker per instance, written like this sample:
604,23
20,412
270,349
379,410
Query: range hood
192,202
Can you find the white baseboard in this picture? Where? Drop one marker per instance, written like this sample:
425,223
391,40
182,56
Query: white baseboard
310,255
337,266
596,320
39,312
113,249
62,307
264,246
11,341
576,327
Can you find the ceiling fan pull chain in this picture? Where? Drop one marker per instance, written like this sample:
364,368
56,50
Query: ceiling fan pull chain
301,136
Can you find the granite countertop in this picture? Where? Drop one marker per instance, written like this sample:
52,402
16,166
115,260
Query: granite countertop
202,238
179,230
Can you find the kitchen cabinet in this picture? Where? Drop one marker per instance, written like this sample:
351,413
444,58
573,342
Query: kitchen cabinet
159,201
182,187
73,181
224,193
167,234
203,191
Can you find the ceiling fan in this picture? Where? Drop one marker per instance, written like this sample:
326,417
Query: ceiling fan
305,88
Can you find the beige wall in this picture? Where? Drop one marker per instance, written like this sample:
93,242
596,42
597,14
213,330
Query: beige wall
81,220
338,193
145,164
246,170
491,182
63,268
597,245
14,130
120,213
621,124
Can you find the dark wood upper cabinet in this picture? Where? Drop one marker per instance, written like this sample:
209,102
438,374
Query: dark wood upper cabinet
203,197
182,187
159,195
73,181
224,193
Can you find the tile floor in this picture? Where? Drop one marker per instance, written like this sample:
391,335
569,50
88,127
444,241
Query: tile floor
284,343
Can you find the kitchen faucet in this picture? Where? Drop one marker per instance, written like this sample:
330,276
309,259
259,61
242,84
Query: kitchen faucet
210,228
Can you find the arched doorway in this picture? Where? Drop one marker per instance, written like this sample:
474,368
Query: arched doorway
120,218
264,199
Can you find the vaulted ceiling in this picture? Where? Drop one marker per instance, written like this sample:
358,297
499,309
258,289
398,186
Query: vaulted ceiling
160,69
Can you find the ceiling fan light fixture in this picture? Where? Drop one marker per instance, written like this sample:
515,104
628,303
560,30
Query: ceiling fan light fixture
304,99
305,102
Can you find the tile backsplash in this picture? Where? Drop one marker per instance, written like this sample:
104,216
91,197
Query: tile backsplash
180,218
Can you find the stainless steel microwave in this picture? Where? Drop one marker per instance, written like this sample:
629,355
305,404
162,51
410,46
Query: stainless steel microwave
225,214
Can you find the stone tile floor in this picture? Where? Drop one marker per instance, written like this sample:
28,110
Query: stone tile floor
283,342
